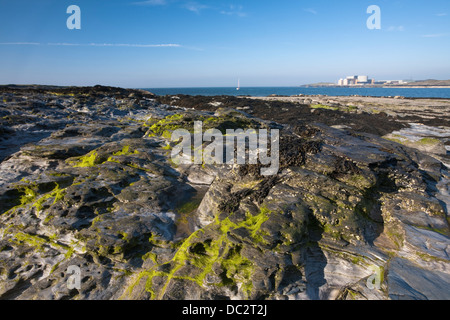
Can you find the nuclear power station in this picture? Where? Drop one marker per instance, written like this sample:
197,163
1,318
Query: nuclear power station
364,80
355,80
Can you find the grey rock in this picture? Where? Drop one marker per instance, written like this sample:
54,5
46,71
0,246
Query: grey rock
99,191
410,282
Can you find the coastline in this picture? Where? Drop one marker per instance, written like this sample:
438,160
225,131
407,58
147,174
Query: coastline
299,91
378,86
363,101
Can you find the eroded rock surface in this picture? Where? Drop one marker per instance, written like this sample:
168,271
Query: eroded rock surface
348,215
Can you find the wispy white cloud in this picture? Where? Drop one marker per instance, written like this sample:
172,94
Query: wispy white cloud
65,44
20,44
435,35
134,45
234,11
442,14
310,10
396,28
150,3
195,7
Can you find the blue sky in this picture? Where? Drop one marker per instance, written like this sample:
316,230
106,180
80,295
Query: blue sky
183,43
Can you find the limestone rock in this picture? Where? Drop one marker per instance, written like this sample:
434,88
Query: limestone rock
348,215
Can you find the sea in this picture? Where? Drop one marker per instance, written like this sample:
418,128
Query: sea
290,91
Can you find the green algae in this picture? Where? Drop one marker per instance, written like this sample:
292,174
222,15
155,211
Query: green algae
430,258
358,260
60,94
403,140
165,126
135,166
396,235
188,207
93,158
356,180
445,231
31,240
322,106
123,235
395,138
328,229
252,224
57,194
205,255
428,141
29,195
150,255
37,195
126,152
39,242
237,268
89,160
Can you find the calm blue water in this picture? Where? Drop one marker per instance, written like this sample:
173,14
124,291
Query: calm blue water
288,91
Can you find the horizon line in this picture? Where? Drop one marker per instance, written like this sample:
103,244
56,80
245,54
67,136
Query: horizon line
93,44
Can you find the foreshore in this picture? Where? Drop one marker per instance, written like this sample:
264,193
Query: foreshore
424,118
382,116
88,182
379,86
434,107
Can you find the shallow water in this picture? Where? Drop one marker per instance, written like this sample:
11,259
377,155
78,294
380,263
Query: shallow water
289,91
417,131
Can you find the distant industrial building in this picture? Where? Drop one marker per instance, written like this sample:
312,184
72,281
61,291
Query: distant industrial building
364,80
355,80
394,82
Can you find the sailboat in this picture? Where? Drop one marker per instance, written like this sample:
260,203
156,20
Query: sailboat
239,86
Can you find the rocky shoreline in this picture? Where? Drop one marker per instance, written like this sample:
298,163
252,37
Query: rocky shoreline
86,180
